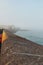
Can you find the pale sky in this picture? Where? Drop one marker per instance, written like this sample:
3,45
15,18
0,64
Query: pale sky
22,13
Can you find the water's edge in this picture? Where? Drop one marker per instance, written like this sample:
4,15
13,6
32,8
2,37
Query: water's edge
35,36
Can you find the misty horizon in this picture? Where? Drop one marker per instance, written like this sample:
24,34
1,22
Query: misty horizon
24,14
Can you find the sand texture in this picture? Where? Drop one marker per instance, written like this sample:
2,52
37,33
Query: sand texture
20,51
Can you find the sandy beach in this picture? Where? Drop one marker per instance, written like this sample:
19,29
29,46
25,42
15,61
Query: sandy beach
20,51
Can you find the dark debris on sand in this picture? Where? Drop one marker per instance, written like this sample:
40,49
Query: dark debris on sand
19,51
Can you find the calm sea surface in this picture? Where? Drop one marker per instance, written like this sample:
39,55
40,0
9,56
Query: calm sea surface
35,36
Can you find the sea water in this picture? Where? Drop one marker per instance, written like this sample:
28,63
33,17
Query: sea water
33,35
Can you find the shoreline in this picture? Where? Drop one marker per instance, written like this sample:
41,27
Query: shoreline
27,39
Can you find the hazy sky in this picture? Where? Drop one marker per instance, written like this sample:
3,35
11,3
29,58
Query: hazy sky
22,13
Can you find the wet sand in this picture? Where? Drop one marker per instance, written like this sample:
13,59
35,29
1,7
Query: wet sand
20,51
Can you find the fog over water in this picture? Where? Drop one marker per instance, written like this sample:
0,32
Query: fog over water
26,14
